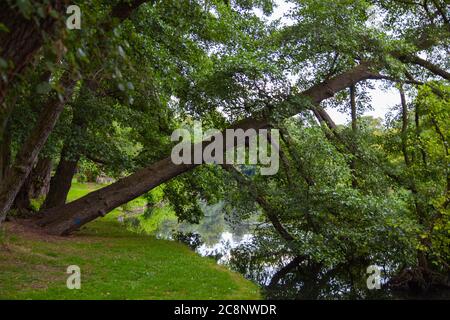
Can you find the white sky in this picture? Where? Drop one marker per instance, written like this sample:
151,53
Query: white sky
382,100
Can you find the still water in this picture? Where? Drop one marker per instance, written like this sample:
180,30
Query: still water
280,276
289,278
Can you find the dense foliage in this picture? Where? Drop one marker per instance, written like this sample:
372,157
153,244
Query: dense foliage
371,192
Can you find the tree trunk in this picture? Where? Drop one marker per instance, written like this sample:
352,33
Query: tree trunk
354,131
65,219
61,182
25,36
32,187
27,155
22,201
41,175
23,40
70,155
5,151
404,131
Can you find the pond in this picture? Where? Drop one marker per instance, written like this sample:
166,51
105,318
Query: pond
280,276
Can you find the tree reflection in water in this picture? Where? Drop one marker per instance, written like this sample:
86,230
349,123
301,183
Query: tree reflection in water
287,277
265,259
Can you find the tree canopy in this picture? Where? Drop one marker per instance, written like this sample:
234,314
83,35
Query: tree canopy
103,101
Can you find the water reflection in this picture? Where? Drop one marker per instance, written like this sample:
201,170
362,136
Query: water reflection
222,249
298,278
281,275
286,277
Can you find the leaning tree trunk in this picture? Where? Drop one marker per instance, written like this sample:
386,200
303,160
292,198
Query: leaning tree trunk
65,219
27,155
61,182
70,155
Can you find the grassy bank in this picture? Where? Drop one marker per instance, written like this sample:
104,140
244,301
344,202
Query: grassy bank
115,263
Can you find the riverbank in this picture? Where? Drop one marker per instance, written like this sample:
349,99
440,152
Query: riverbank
115,263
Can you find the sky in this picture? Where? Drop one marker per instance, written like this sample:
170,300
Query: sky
382,100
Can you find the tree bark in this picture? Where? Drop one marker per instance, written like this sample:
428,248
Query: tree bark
23,39
427,65
354,131
41,175
27,155
65,219
70,155
22,202
61,182
5,151
32,187
404,130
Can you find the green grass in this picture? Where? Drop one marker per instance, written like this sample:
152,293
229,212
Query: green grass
115,263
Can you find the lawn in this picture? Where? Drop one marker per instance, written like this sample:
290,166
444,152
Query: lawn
115,263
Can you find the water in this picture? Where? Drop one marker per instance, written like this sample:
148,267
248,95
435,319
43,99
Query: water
223,247
286,277
280,275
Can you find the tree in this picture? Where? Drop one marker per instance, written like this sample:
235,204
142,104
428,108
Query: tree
317,93
15,176
344,193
